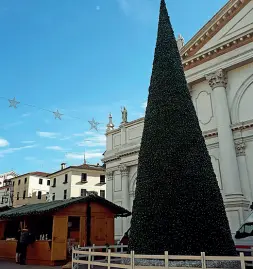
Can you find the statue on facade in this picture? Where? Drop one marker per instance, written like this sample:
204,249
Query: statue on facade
124,115
180,41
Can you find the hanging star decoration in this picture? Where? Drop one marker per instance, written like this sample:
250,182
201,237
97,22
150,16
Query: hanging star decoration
93,124
57,115
13,102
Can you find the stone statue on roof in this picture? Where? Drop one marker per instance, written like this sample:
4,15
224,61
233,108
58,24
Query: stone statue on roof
180,42
124,115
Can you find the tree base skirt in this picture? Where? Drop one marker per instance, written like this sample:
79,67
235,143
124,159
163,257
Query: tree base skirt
185,263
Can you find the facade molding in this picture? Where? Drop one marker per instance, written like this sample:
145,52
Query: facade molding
236,57
225,47
209,30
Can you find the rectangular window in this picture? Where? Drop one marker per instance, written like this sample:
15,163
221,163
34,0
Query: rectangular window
65,194
13,183
53,197
41,181
24,194
54,182
48,182
17,195
102,179
39,195
84,177
83,192
102,193
66,178
25,180
19,182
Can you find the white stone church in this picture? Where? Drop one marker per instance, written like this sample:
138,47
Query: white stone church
218,63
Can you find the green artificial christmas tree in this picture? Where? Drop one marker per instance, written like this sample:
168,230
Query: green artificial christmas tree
178,205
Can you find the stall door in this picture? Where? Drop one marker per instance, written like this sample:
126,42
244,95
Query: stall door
99,230
59,238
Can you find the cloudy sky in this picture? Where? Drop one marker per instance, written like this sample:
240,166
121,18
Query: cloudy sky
84,59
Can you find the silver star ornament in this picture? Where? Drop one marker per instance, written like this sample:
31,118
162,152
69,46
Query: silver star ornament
94,124
57,115
13,102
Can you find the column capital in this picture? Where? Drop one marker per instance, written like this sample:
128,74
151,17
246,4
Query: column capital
109,175
240,147
217,79
123,169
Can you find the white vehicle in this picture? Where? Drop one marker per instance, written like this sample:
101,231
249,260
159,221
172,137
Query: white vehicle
244,238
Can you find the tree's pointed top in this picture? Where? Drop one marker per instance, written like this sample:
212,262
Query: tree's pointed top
166,55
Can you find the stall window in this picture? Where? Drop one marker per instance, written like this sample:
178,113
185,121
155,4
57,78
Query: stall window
25,180
39,195
65,194
24,194
41,181
48,182
102,179
53,197
83,192
19,182
17,195
102,193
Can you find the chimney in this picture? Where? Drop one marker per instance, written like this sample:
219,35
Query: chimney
63,166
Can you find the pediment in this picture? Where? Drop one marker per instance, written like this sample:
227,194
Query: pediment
240,24
230,28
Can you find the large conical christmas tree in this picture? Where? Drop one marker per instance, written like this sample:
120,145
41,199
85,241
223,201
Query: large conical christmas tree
178,206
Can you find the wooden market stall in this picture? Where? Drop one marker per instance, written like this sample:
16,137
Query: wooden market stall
59,225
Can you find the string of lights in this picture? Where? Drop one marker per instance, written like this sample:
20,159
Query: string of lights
13,103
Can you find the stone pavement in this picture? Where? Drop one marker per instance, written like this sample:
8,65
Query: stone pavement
11,265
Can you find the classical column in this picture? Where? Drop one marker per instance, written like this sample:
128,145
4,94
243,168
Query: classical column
125,193
235,203
229,165
109,186
240,148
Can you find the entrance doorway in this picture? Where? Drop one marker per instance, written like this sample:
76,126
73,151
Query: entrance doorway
73,233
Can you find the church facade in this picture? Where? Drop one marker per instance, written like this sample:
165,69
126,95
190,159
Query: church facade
218,63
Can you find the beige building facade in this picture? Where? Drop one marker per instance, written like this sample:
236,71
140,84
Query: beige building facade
30,188
75,181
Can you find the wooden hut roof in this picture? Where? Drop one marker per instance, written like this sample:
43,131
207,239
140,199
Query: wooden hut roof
48,207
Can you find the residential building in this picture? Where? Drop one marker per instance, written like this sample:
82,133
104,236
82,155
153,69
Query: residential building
6,189
30,188
75,181
218,63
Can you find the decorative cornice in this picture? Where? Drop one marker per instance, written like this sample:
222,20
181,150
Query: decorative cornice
210,133
217,79
242,126
240,147
219,20
217,51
